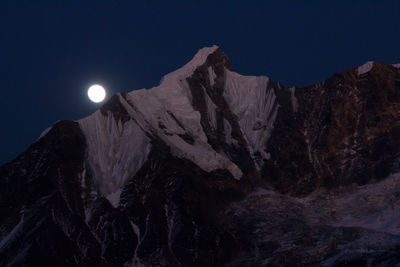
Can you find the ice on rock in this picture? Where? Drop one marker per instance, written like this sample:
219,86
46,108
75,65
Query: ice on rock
255,106
365,68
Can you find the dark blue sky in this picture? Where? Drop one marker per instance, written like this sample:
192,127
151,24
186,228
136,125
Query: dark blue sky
51,53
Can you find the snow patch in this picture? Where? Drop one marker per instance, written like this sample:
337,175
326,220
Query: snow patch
293,98
135,260
45,132
365,68
21,256
396,65
114,198
169,215
83,177
7,240
211,75
228,134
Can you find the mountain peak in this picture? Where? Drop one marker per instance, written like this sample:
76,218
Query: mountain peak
199,59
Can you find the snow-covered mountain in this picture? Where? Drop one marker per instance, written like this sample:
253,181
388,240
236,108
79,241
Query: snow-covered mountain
214,168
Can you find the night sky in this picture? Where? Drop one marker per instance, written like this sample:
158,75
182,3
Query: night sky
51,53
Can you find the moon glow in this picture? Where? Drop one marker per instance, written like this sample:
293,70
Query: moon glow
96,93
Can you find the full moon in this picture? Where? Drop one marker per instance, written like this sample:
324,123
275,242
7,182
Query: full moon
96,93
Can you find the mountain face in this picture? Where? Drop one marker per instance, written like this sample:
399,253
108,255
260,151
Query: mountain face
212,168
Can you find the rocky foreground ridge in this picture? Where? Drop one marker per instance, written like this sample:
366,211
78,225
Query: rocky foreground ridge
212,168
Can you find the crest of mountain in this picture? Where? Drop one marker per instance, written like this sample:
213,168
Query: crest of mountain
214,168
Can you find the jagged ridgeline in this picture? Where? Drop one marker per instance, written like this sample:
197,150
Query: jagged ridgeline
213,168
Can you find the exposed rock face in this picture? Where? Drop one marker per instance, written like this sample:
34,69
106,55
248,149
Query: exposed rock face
214,168
346,130
42,215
